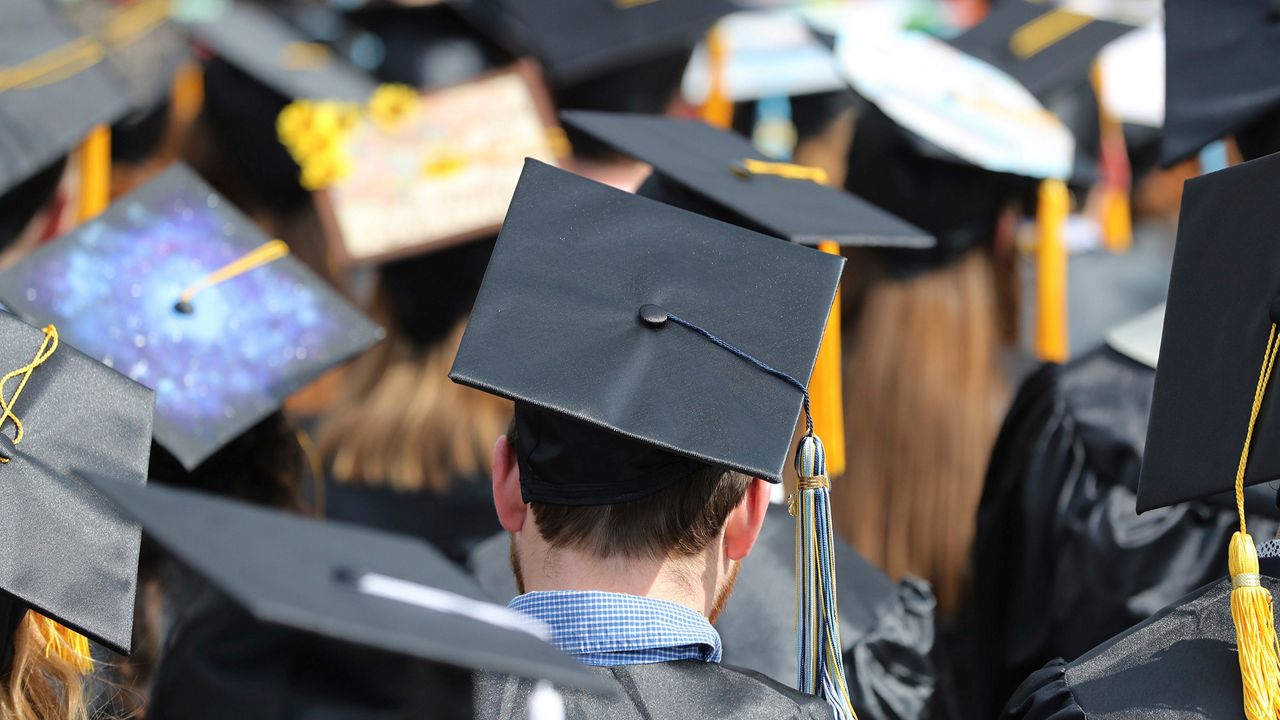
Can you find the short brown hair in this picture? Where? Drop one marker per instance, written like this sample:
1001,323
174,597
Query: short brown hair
680,520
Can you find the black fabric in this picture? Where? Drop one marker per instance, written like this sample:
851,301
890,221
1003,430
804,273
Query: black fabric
704,160
221,663
21,203
12,610
42,123
684,690
1218,58
1061,560
1224,284
556,325
1179,664
64,550
891,650
453,522
428,294
957,203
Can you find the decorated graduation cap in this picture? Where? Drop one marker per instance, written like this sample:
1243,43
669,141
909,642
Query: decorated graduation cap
55,91
417,173
688,344
345,583
176,289
64,552
576,40
1214,423
1218,72
973,136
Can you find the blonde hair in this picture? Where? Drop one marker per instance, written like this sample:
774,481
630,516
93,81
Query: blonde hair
404,424
924,395
42,685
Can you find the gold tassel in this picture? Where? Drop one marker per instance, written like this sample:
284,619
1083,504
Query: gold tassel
717,110
95,173
826,388
1051,271
188,92
63,642
1250,601
1116,220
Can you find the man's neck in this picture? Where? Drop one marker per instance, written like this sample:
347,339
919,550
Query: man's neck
684,582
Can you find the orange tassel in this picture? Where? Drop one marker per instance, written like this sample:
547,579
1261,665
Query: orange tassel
95,173
1051,271
826,388
717,110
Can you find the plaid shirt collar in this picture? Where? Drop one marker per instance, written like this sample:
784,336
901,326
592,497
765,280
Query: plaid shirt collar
606,629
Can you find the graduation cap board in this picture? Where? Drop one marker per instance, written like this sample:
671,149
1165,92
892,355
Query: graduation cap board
278,56
54,89
723,169
142,45
176,289
575,40
973,112
346,583
444,173
63,551
1218,71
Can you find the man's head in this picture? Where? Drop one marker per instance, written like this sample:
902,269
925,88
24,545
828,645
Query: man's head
681,542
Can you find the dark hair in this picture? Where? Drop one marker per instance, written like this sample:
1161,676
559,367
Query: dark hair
680,520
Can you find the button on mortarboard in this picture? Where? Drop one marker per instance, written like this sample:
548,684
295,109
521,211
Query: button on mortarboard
731,181
259,327
63,551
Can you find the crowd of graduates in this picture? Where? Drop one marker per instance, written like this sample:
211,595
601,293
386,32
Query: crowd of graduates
888,359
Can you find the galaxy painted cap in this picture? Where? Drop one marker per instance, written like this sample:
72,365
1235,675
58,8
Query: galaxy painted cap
64,551
181,292
609,319
55,87
346,583
719,174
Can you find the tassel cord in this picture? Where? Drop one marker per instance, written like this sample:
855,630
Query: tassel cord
43,353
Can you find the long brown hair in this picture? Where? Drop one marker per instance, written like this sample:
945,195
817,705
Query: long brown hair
402,423
924,394
41,685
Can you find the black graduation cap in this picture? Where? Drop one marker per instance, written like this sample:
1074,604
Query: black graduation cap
63,551
592,317
728,179
345,583
1223,299
279,56
142,46
1047,48
1218,79
54,89
178,290
578,39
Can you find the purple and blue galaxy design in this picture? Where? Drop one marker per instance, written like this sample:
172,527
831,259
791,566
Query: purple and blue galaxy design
111,288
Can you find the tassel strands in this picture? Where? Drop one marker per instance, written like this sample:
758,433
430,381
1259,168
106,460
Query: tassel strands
1251,611
1051,271
818,645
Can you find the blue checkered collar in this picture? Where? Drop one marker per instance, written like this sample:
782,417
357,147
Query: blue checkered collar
607,629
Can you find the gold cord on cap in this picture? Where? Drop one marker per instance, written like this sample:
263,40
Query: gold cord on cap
267,252
44,352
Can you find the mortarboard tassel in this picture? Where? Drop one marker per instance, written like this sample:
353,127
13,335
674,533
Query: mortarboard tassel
1117,220
62,642
717,109
265,253
1251,602
187,92
1051,271
95,173
818,655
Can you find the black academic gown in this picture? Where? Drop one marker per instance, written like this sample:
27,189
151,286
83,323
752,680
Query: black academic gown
222,663
1061,559
685,690
1180,664
890,645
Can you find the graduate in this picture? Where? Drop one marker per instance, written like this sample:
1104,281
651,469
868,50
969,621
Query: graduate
1212,432
650,393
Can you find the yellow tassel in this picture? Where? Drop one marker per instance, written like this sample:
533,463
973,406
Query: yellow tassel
63,642
717,110
826,389
1255,632
95,173
1117,221
1051,271
188,91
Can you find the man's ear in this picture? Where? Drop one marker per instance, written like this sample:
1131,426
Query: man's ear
745,521
506,487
